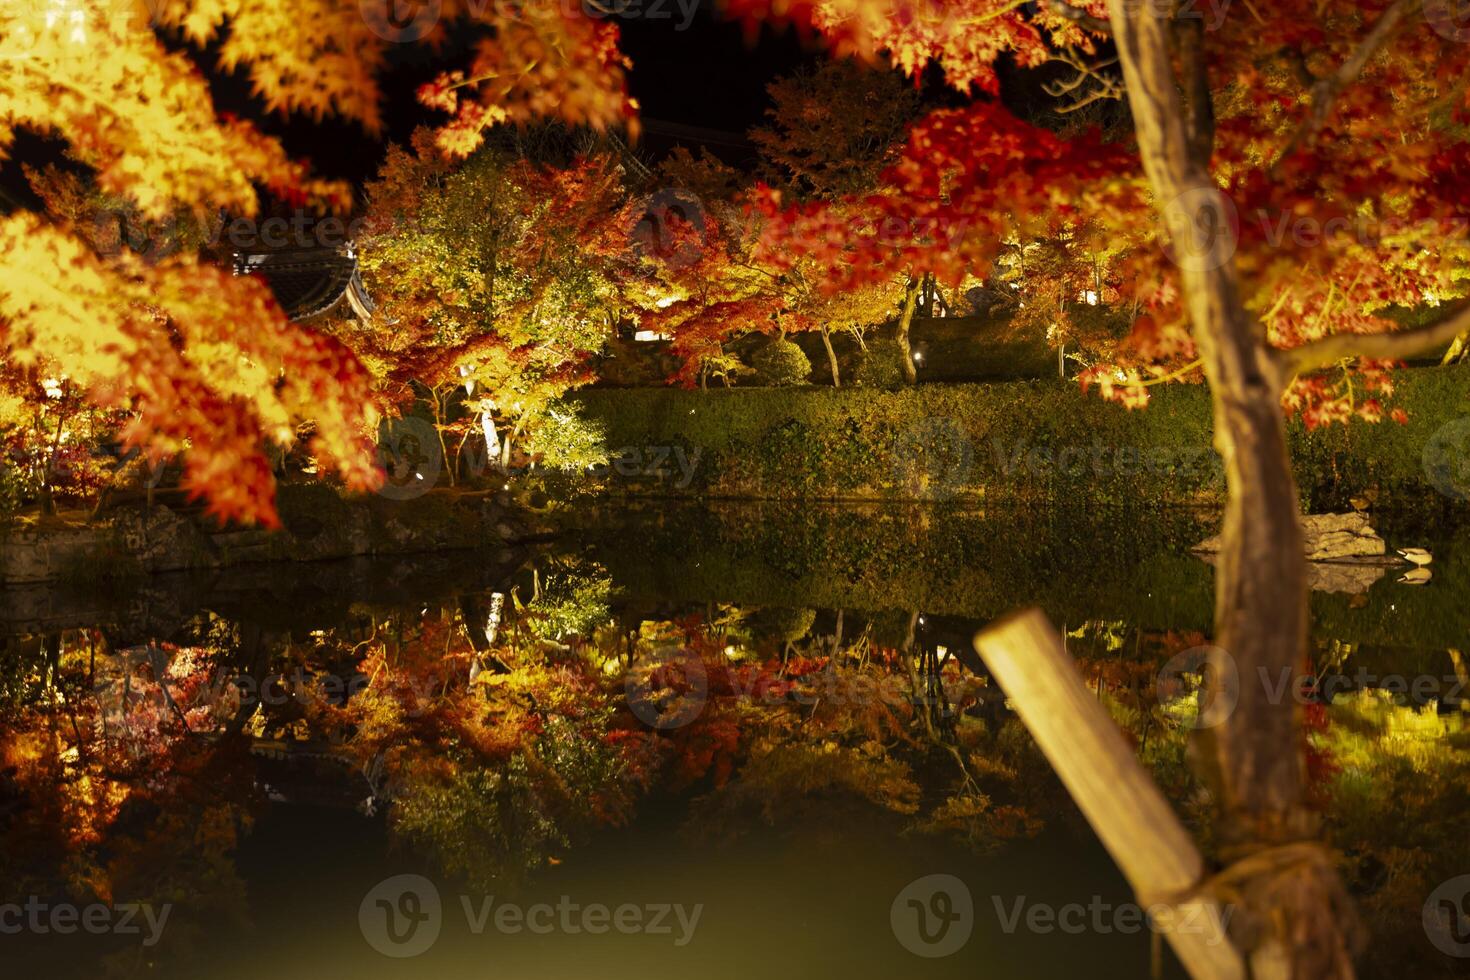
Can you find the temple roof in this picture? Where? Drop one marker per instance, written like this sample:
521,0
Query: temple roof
311,282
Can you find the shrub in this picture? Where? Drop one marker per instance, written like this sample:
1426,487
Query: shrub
1022,440
781,364
881,366
565,440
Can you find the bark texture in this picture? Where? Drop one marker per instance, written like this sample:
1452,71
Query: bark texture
1298,919
905,321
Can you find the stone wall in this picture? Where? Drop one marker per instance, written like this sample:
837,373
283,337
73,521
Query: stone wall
319,524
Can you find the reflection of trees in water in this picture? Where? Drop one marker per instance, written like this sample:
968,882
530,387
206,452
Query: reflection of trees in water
131,772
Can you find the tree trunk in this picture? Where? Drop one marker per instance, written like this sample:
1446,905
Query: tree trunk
831,357
1253,759
505,447
441,411
487,419
906,320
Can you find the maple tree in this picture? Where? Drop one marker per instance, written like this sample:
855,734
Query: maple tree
1293,174
711,274
832,131
495,274
1344,116
199,358
693,277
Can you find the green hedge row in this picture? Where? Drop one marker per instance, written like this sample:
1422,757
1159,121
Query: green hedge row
1020,440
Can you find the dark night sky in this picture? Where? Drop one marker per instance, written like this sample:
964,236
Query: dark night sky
704,76
701,72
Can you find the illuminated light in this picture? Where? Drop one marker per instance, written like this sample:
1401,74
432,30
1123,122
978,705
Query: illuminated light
918,357
68,12
648,336
1089,296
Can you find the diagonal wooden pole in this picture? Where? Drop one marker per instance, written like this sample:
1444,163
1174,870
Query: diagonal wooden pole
1115,793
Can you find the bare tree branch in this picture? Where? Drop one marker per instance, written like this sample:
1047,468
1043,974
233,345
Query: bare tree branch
1327,89
1106,84
1381,346
1079,17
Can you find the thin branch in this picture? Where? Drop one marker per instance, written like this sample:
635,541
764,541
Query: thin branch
1327,89
1393,346
1194,365
1107,84
1079,17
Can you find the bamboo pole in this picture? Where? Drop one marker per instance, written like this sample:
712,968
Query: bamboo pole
1114,792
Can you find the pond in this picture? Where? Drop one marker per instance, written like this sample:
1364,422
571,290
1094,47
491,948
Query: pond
716,741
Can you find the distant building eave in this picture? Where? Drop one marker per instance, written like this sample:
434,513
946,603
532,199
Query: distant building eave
311,283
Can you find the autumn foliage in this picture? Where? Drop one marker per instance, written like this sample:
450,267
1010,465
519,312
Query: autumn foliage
196,357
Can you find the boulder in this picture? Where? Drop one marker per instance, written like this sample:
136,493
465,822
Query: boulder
1330,537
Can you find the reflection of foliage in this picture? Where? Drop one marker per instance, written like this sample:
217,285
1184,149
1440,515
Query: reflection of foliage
574,600
980,824
781,623
494,778
1399,812
104,796
490,824
786,780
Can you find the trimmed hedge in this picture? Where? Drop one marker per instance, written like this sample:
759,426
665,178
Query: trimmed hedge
1020,440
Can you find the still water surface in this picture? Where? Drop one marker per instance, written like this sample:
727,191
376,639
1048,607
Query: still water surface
260,750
